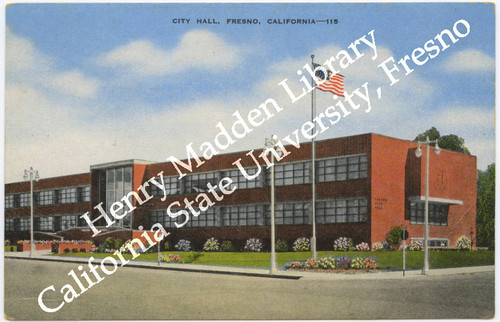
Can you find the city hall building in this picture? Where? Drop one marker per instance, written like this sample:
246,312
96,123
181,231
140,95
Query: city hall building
365,184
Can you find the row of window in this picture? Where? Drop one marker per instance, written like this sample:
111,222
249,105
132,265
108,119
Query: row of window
332,169
45,223
349,210
438,213
48,197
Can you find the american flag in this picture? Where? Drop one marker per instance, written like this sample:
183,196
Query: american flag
334,82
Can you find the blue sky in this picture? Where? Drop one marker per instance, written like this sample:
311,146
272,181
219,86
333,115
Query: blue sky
94,83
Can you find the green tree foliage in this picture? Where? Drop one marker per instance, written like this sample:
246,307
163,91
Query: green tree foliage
394,235
486,207
449,142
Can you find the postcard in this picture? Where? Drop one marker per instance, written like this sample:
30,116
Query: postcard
262,161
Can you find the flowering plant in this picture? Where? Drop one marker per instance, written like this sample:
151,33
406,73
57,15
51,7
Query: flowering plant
172,258
6,242
342,244
363,247
380,246
253,245
357,262
183,245
293,265
312,263
370,263
326,262
211,245
343,262
463,242
416,245
302,244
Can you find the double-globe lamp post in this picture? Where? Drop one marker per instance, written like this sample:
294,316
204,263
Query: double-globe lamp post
33,175
418,153
270,145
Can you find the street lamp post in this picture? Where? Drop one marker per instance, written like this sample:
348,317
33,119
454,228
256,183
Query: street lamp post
418,153
33,175
269,145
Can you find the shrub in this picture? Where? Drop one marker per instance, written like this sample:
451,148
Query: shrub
312,263
67,251
83,250
342,244
363,247
112,243
211,245
253,245
166,245
302,244
343,262
370,263
463,243
281,246
74,250
183,245
394,235
326,262
416,245
227,246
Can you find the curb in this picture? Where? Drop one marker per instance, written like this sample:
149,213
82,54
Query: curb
182,269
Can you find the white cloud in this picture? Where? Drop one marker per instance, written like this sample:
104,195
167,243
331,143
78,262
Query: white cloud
197,49
74,83
26,65
470,60
467,117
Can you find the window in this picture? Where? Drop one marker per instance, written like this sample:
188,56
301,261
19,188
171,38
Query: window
341,211
171,184
65,222
196,183
342,168
118,185
45,198
206,218
24,200
46,224
438,213
24,224
242,215
66,195
161,216
290,173
289,213
84,194
9,201
434,242
9,224
239,179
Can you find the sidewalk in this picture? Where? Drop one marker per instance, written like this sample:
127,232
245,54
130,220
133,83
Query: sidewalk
254,271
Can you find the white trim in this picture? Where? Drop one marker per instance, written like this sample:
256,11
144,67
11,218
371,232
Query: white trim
116,164
436,200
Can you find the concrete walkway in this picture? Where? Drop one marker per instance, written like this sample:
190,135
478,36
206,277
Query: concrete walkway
255,271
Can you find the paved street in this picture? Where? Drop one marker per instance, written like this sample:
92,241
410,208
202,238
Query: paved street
137,293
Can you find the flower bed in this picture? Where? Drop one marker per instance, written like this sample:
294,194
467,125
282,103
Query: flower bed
341,264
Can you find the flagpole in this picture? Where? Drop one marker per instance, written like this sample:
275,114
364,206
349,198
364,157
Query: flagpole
313,167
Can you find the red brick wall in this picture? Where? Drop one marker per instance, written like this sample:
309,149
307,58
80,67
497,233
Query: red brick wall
398,174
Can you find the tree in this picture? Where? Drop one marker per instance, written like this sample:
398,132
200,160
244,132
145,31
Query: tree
449,142
485,233
394,235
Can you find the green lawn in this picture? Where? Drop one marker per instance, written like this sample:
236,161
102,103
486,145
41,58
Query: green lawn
10,249
386,259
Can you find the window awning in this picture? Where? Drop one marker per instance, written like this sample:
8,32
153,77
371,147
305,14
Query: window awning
436,200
